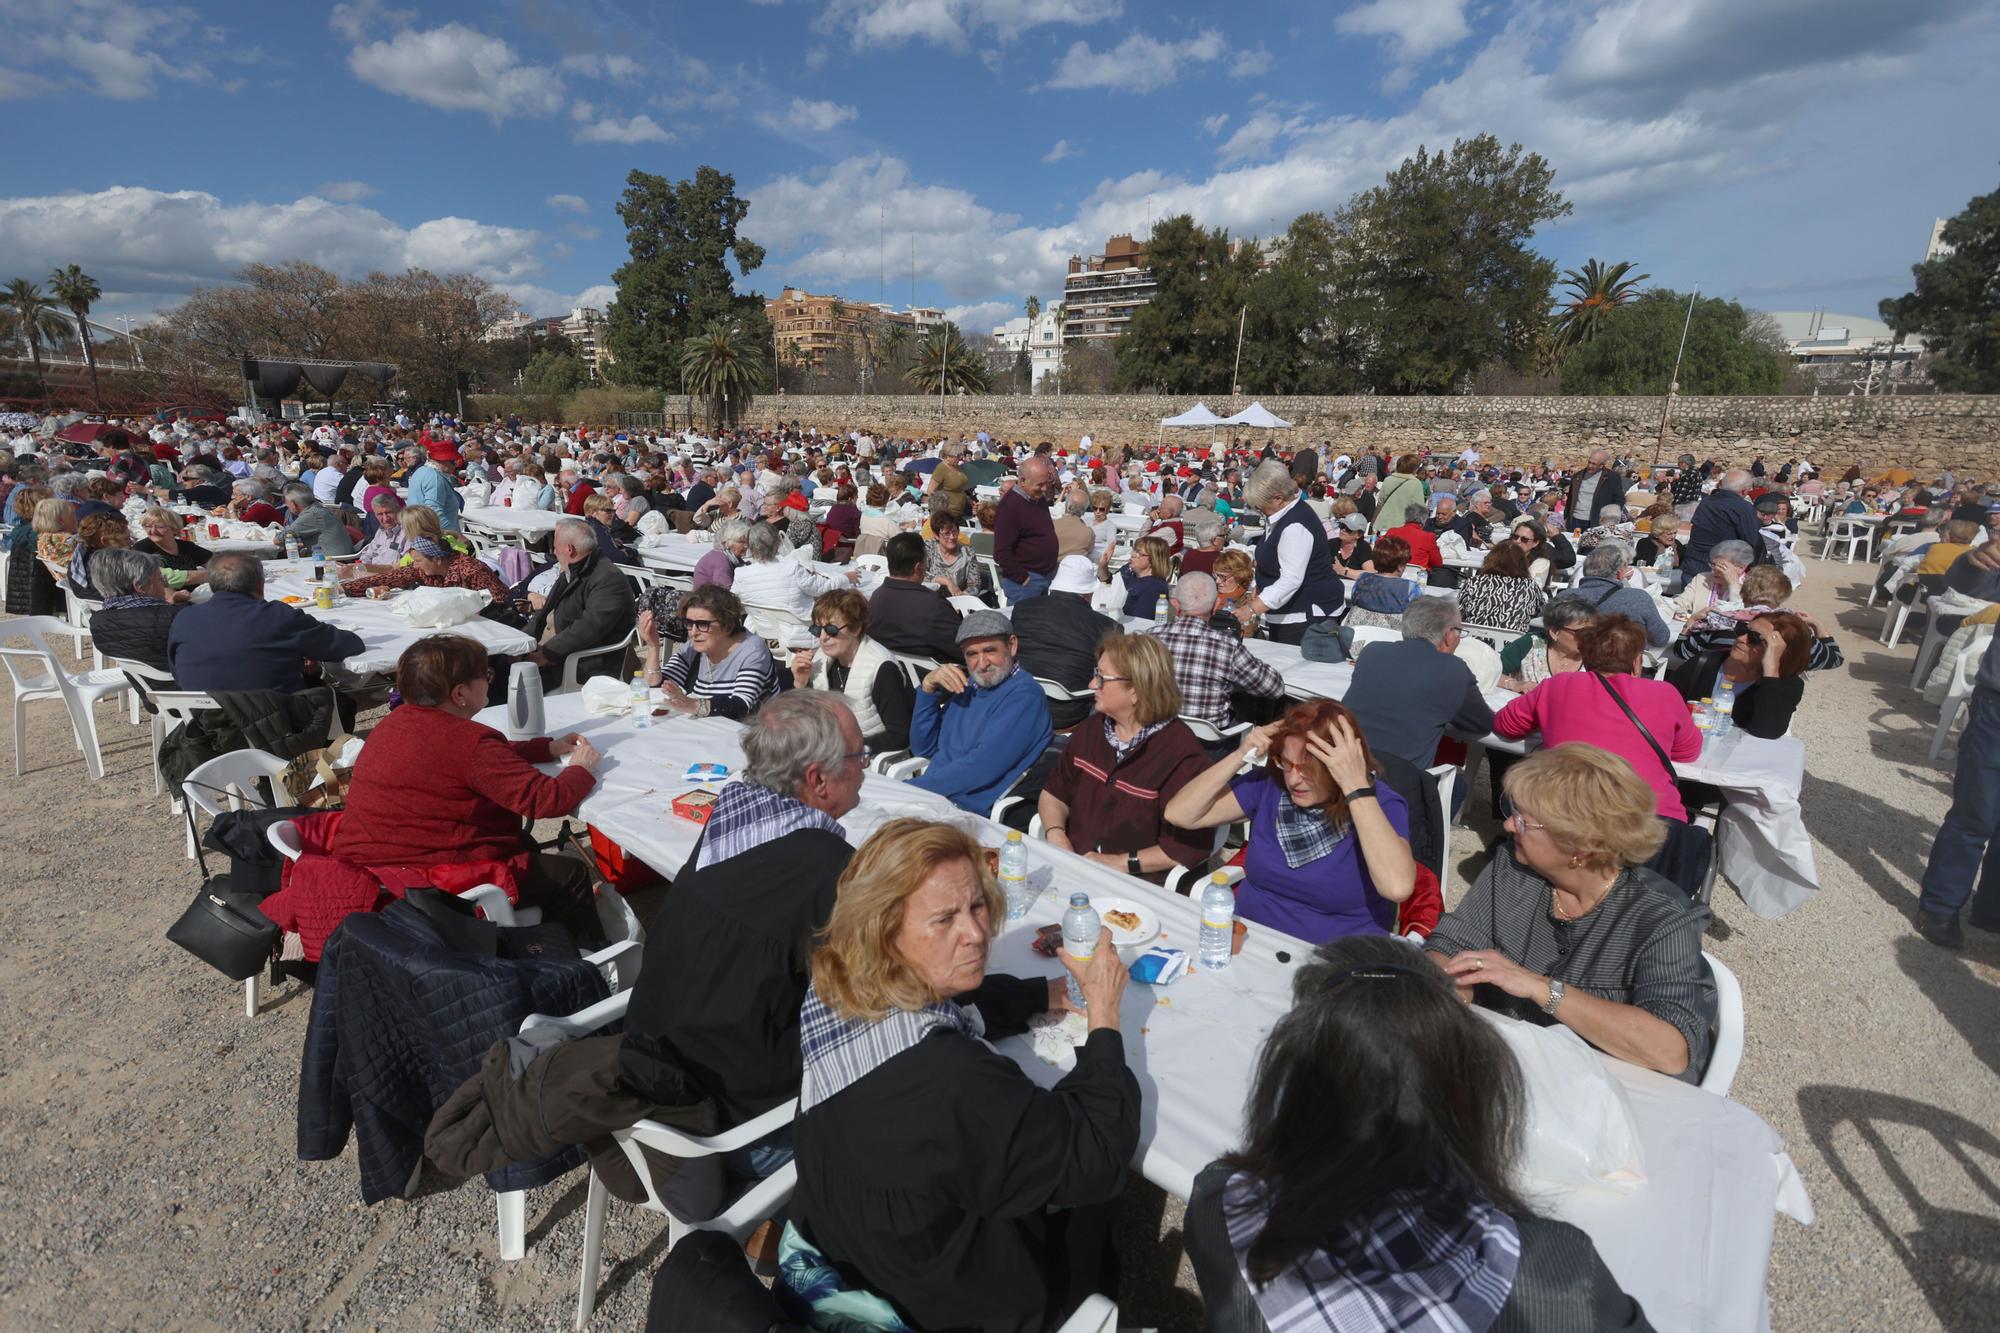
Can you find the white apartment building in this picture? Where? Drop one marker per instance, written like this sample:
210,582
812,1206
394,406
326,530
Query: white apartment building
1044,348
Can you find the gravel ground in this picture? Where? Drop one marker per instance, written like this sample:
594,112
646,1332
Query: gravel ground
150,1180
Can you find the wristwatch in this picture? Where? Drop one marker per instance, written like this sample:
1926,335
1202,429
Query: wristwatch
1555,996
1132,863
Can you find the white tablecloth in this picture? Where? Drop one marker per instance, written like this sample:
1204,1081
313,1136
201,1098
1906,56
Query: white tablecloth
527,522
677,555
1693,1245
1329,680
385,633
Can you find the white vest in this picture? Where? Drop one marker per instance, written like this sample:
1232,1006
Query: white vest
869,658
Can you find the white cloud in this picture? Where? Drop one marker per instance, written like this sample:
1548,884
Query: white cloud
357,19
581,110
1063,148
1138,64
345,192
952,23
456,68
619,69
811,117
568,202
1415,28
121,49
1212,125
1249,64
638,129
454,245
982,317
543,301
582,232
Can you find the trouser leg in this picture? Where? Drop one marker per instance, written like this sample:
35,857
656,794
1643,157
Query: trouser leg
1966,838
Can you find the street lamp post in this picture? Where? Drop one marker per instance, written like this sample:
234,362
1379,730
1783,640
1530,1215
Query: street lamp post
1674,381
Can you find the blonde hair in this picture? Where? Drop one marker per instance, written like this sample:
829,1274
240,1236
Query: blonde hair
1159,557
1149,669
1343,507
420,521
857,969
52,515
1591,803
1238,566
1765,585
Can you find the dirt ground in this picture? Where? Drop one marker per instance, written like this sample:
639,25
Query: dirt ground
150,1179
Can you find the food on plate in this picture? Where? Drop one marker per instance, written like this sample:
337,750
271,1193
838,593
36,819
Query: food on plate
289,600
1119,920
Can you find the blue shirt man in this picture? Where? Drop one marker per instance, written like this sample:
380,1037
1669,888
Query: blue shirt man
981,725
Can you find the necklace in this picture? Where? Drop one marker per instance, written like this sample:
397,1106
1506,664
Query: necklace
1555,901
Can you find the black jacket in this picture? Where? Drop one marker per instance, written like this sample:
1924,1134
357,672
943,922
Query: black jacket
407,1003
590,604
928,1181
1059,634
907,617
1723,516
237,642
1763,708
729,959
135,633
31,589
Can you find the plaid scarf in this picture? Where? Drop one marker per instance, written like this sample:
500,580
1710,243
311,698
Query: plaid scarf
746,816
1122,750
1304,835
840,1051
1423,1265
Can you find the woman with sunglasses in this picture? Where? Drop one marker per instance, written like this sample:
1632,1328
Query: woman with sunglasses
1543,556
722,671
1566,925
1761,676
857,668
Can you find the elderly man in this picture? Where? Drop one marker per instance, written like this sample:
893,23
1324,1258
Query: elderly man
588,605
201,485
981,725
1723,515
1406,694
703,489
1475,526
1209,665
1296,584
1603,586
1024,537
1590,490
138,611
1058,634
248,502
731,947
1167,524
433,484
313,523
573,488
238,641
326,480
1207,535
906,617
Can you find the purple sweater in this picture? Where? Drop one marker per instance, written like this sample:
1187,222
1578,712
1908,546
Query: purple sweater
1323,900
1024,537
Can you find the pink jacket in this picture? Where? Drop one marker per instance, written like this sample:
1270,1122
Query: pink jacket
1574,706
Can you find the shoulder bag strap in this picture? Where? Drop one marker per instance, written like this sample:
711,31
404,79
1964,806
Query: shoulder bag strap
1626,709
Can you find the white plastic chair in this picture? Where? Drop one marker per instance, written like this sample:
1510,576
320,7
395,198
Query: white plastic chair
170,706
1492,634
573,664
1961,689
38,675
1897,613
879,563
228,782
1208,733
965,605
1857,536
1097,1314
1727,1057
1446,776
80,608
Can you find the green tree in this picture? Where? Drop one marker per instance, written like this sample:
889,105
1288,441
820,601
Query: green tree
682,237
34,317
724,365
896,340
1727,351
946,359
1595,293
554,373
1292,342
1184,339
1438,275
1956,304
79,291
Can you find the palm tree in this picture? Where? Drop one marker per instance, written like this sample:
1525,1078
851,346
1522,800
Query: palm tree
944,364
1062,318
1034,307
1595,292
724,366
35,317
79,291
896,344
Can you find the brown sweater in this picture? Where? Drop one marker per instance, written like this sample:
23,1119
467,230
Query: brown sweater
1117,807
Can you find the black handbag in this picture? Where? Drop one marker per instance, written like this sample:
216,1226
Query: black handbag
223,925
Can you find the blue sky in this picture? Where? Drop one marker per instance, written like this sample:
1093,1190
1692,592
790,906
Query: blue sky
1785,153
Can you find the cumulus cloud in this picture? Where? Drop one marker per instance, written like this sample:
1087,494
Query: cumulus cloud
1139,64
456,68
982,316
570,203
542,301
954,23
114,49
1212,125
637,129
345,192
811,117
1063,148
1415,29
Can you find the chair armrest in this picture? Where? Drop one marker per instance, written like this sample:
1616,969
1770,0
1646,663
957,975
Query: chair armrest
888,759
675,1143
1183,879
907,768
618,963
584,1021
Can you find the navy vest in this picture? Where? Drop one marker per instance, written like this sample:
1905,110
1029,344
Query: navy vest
1321,593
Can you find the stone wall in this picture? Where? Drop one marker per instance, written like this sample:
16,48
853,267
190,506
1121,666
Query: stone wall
1923,432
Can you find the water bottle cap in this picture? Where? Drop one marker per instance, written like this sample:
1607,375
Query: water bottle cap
1013,835
1219,877
1079,900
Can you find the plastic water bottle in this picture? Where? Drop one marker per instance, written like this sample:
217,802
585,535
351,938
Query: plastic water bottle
1160,609
291,548
1081,927
1218,923
1014,876
642,712
1725,717
319,564
1704,719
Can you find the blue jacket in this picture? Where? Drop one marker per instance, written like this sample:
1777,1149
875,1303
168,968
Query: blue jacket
980,742
236,642
1723,516
429,486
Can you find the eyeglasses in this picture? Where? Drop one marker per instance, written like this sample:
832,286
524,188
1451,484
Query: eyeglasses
1508,810
1102,679
697,626
827,631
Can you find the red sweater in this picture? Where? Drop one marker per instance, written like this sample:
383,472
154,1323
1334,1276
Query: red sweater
432,789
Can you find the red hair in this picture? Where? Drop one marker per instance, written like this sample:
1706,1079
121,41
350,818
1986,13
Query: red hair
1305,718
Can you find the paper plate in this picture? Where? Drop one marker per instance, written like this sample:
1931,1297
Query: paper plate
1128,937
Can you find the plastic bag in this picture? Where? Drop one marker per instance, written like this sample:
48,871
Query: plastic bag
1580,1129
440,608
606,696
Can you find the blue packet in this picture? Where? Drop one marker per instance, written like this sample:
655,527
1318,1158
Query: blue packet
1160,966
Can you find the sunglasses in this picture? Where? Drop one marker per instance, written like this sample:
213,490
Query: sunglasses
697,626
828,631
1756,639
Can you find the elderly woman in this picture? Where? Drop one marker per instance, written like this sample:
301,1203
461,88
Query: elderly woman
163,539
948,481
374,482
722,670
95,532
439,799
1351,551
1329,849
772,578
937,1183
950,563
1144,576
138,610
843,517
789,518
55,535
1720,586
389,544
1545,550
432,564
730,547
1235,574
1562,617
1106,798
719,506
1335,1170
1501,594
1566,924
1296,584
422,521
1103,529
31,589
1759,680
1382,594
857,668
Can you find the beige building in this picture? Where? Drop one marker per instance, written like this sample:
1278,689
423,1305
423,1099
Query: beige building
807,326
1101,292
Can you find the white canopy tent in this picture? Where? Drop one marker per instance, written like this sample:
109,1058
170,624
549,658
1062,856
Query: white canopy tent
1198,415
1258,417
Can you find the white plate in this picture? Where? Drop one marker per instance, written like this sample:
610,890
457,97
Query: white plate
1149,921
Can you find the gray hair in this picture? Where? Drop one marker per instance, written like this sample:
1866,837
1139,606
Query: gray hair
765,543
119,572
1415,513
576,532
236,571
1483,493
1567,613
1077,506
1196,594
1431,619
68,485
1610,514
250,487
1271,481
1206,528
1735,552
1735,480
300,493
728,531
1605,560
791,733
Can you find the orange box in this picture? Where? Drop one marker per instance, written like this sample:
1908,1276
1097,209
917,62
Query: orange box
695,805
